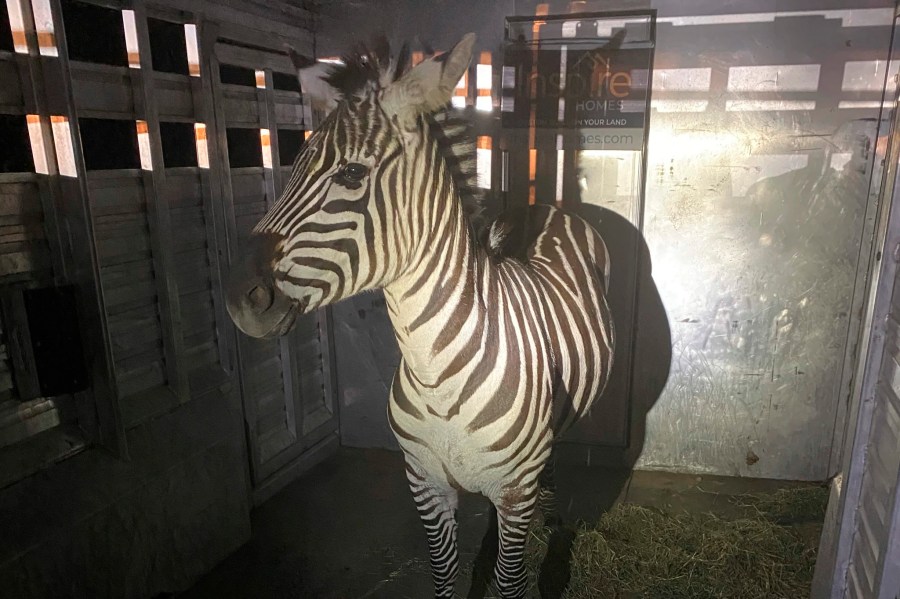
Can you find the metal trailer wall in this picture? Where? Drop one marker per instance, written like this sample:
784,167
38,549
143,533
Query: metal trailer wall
145,481
764,158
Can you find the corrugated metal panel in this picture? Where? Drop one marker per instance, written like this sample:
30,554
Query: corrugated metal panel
880,479
855,588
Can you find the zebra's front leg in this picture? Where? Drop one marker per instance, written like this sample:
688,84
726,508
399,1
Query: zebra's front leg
437,509
513,518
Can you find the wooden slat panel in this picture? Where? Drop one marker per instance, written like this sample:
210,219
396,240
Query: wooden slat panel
122,238
135,331
253,59
273,443
249,185
24,262
251,208
24,250
273,421
250,204
136,363
124,248
20,232
265,372
190,283
289,113
315,407
173,96
192,262
10,91
202,349
102,89
122,276
116,195
148,376
183,188
241,110
205,378
283,96
190,237
201,329
7,390
20,199
183,191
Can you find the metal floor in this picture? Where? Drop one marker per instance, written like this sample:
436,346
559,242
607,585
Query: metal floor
349,529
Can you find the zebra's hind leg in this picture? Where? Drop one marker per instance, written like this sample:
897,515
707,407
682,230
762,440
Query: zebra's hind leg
483,568
547,495
437,509
557,564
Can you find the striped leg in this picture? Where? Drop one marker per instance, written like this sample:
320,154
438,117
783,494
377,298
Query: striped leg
557,565
547,495
437,508
513,520
483,568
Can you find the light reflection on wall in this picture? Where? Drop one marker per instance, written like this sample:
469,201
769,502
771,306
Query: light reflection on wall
757,187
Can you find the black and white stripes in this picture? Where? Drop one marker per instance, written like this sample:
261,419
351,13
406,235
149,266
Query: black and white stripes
499,355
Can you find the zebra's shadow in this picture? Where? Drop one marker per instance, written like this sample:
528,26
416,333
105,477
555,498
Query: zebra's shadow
586,491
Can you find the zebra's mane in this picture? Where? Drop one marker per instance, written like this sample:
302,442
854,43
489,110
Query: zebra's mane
370,68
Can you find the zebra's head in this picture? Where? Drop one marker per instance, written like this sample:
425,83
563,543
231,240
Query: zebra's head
342,223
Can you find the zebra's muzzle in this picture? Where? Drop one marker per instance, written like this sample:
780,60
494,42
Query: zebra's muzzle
254,302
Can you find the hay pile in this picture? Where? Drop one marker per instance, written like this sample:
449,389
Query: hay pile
635,551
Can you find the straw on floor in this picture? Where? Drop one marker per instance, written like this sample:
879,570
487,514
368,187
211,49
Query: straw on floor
635,551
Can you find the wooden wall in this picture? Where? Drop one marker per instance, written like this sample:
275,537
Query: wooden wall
151,182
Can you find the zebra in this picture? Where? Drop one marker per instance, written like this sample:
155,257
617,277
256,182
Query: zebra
499,354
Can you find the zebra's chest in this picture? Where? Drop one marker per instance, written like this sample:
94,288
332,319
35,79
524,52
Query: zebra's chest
458,460
446,449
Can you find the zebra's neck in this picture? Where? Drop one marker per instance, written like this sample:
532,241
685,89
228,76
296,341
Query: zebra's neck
441,291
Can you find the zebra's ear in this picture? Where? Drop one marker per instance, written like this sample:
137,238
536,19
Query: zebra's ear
313,82
428,86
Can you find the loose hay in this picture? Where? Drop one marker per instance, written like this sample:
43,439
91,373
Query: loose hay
635,551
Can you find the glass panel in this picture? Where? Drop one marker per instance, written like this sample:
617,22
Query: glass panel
579,87
575,90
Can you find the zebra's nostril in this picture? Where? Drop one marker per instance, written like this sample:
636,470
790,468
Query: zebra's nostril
260,298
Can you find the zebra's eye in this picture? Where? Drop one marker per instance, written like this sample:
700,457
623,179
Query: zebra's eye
353,172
